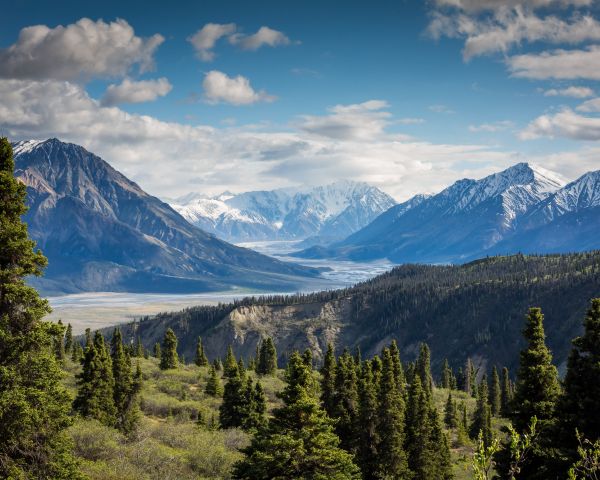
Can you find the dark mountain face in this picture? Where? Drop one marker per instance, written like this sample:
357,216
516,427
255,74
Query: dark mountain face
522,209
101,231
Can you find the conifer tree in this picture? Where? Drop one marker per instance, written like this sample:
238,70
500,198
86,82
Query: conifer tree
77,352
213,384
95,393
328,380
256,405
495,393
460,379
217,364
507,393
200,358
537,387
308,358
467,376
59,342
234,409
139,348
392,461
345,402
446,375
482,420
157,350
579,407
168,355
451,413
424,368
299,442
125,390
230,367
69,339
34,405
267,360
398,370
368,439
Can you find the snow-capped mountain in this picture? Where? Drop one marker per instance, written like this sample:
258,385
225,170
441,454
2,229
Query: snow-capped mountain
464,221
102,232
329,212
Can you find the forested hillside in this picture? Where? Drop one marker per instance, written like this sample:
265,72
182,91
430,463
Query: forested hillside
473,310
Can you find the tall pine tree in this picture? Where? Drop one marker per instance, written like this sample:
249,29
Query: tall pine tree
34,405
200,358
168,353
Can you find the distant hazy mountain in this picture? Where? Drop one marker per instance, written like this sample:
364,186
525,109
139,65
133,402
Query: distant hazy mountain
101,231
326,213
523,208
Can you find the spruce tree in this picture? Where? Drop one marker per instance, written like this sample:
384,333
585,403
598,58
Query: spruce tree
267,360
256,405
398,370
233,411
328,380
307,357
139,348
299,442
156,352
467,377
507,394
125,390
345,402
579,407
213,384
495,393
424,368
482,420
200,358
451,413
34,405
366,455
59,342
168,354
230,367
392,461
446,375
69,339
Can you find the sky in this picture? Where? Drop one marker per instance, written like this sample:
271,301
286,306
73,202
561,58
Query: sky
407,95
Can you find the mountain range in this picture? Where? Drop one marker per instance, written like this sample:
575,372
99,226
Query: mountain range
315,214
524,208
102,232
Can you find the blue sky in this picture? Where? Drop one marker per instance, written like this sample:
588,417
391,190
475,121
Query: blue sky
407,95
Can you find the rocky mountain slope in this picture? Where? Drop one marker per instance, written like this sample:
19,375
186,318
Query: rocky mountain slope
102,232
327,213
475,309
523,208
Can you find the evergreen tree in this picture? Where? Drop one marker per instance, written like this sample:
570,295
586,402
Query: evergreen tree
345,402
213,384
217,364
59,342
451,413
69,339
299,442
234,409
482,420
230,367
446,375
398,370
157,353
368,440
168,355
307,358
467,377
139,348
77,352
495,393
424,368
328,380
95,393
34,405
579,407
256,406
392,461
200,359
460,379
267,359
125,390
507,393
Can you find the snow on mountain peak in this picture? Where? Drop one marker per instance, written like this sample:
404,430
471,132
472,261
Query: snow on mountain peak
25,146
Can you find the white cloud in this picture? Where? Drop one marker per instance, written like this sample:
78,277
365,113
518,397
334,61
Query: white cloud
129,91
204,40
264,36
218,87
439,108
508,28
592,105
81,50
170,158
479,5
560,64
492,127
409,121
565,123
362,121
575,92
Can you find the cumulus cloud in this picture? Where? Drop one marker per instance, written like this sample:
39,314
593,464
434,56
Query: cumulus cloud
129,91
492,127
81,50
205,39
507,28
575,92
218,87
565,123
170,158
560,64
265,36
362,121
592,105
